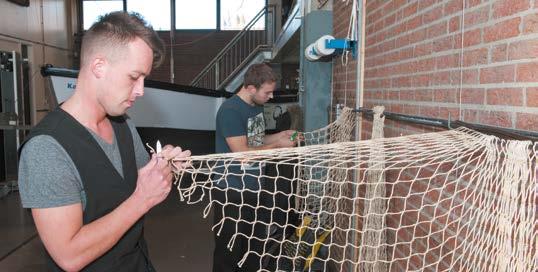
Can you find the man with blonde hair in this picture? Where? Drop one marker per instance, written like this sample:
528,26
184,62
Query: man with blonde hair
84,171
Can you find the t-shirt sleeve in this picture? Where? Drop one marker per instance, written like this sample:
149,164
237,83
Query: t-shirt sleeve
231,124
141,154
47,175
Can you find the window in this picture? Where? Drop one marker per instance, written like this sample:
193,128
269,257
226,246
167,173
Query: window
236,14
94,9
156,12
198,14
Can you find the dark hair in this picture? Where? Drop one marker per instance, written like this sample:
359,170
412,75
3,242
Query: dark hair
257,74
120,28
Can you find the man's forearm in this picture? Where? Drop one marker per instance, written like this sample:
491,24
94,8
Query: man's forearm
96,238
263,147
271,138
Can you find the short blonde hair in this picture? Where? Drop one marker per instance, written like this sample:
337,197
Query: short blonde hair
119,28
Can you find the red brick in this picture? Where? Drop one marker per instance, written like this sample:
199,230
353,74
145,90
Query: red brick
369,42
526,72
423,49
421,81
505,8
455,77
478,16
454,113
417,36
523,50
406,53
432,15
395,70
407,95
410,10
401,28
530,22
402,41
499,53
497,74
472,3
378,26
470,116
475,57
454,24
425,3
423,95
532,97
371,84
472,37
445,96
390,95
370,5
432,112
452,6
506,96
443,44
401,82
448,61
503,30
470,76
393,5
441,78
495,118
395,108
389,20
413,23
527,121
425,65
392,57
437,30
472,96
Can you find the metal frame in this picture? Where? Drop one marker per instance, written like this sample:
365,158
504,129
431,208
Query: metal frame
80,17
506,133
342,45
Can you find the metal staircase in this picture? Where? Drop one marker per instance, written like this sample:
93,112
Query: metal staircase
248,46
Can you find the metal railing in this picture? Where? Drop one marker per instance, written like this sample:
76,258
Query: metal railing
238,51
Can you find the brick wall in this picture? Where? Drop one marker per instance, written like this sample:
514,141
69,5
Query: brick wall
344,73
432,58
192,50
473,59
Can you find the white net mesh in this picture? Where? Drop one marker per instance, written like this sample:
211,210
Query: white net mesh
447,201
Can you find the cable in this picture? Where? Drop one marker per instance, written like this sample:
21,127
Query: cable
191,42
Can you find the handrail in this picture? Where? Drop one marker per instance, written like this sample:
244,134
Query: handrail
241,33
210,76
242,64
291,17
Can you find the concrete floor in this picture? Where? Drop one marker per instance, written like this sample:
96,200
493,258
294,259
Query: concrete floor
179,239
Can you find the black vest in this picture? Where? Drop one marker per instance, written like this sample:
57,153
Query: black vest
105,188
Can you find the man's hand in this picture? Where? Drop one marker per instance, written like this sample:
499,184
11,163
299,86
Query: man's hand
155,178
288,138
294,135
176,156
74,245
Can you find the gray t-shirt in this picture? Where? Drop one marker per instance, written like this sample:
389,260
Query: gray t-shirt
48,177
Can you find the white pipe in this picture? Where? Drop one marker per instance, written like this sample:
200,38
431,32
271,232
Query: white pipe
318,49
360,64
358,91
